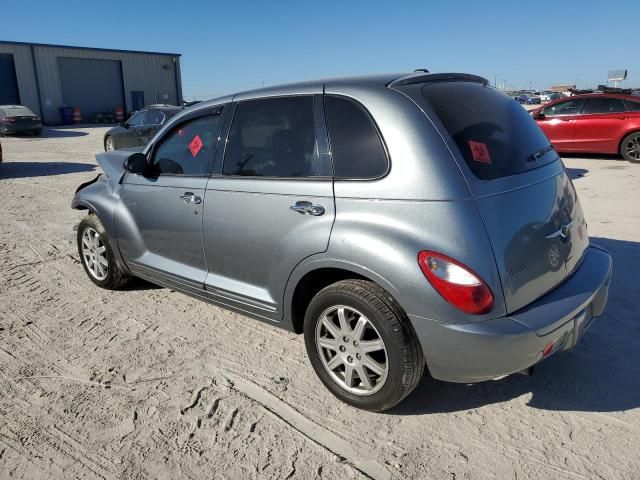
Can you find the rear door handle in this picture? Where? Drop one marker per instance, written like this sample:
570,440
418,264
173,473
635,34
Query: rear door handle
191,198
307,208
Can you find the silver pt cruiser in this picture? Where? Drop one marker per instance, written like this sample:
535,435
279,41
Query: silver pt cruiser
398,221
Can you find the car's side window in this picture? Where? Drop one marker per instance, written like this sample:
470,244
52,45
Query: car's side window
568,107
356,146
188,148
604,105
274,137
633,106
154,117
137,119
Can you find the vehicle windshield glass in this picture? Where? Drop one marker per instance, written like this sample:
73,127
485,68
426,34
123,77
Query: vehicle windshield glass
495,135
17,111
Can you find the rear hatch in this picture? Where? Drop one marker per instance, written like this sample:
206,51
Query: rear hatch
527,202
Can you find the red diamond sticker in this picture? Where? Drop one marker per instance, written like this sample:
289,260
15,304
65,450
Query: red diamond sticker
479,152
196,145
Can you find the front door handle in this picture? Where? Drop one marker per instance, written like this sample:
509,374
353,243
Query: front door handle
307,208
191,198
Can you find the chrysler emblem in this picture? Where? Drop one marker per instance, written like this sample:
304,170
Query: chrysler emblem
563,231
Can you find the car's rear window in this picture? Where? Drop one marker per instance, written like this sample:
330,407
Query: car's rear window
495,135
17,111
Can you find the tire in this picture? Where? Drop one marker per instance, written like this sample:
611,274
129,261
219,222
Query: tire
399,364
109,144
109,274
37,133
630,147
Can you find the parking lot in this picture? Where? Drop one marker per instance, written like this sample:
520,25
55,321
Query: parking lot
150,383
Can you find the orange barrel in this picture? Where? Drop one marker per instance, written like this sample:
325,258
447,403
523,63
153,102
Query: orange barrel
119,115
77,117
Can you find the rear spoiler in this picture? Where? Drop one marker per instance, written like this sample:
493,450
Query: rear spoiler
421,77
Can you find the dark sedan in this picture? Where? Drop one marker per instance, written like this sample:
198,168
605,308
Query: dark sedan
19,119
140,128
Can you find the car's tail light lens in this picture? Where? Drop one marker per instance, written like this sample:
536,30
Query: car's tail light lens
457,283
6,119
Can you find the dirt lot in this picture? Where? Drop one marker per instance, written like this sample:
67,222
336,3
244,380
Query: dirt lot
149,383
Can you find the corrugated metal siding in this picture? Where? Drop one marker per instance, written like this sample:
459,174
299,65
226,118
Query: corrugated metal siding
150,73
24,74
140,72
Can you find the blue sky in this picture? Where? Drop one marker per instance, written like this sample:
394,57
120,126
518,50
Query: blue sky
232,46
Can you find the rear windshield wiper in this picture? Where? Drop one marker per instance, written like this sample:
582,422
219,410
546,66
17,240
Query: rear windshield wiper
535,156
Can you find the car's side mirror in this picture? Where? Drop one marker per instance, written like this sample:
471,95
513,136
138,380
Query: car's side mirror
137,163
538,116
124,125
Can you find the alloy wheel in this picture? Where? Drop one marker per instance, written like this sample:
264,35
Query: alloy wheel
632,147
109,144
351,350
94,254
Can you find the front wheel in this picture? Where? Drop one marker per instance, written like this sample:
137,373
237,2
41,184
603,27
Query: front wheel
97,256
362,345
630,147
109,144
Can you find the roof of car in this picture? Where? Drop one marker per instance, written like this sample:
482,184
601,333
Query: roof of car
383,79
608,95
162,107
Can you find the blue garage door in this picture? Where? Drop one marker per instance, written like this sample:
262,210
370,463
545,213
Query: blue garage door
94,86
9,94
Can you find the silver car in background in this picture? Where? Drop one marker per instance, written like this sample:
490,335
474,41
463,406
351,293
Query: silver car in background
398,221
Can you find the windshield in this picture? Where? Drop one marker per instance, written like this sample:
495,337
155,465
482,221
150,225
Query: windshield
16,111
495,136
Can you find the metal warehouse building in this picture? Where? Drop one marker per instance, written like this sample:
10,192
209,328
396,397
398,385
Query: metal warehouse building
47,77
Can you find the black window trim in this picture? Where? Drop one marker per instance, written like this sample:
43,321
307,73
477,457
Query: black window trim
210,111
219,163
377,130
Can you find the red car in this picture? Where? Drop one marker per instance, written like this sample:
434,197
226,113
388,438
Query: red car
593,123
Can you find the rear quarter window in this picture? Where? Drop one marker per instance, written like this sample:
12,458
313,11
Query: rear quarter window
356,146
495,135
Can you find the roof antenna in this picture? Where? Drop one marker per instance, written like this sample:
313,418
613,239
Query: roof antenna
421,70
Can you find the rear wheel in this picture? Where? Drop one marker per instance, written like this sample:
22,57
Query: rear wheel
97,256
630,147
361,345
37,132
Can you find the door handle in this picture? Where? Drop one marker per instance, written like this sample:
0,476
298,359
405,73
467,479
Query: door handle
307,208
191,198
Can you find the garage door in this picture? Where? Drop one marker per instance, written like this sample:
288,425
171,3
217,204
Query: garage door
9,94
94,86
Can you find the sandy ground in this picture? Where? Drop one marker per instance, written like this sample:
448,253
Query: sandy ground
149,383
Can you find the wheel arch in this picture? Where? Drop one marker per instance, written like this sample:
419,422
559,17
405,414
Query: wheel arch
308,279
625,135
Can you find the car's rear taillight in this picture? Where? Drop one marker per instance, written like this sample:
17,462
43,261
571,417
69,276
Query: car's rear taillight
6,119
457,283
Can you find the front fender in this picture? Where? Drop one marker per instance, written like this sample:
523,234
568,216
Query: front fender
98,196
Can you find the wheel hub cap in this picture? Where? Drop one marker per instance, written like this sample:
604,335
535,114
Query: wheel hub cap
94,254
351,350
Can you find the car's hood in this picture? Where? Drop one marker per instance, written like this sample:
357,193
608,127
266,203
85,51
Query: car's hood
112,163
116,129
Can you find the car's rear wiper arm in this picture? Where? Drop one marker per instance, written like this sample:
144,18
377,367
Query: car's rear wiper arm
535,156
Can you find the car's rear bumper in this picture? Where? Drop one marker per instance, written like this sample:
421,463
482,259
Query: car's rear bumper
473,352
8,128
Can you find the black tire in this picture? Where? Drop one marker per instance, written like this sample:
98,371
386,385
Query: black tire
403,353
116,277
630,147
38,132
113,143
